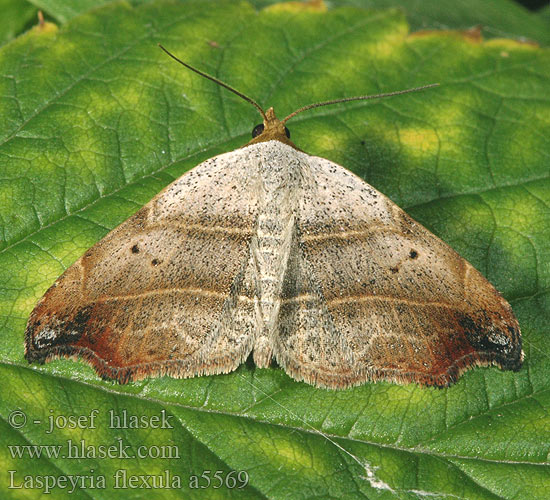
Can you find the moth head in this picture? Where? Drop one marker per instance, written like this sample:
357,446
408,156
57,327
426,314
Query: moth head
272,129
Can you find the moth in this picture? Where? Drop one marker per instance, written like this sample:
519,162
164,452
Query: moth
270,252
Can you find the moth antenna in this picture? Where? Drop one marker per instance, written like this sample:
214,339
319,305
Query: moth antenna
219,82
357,98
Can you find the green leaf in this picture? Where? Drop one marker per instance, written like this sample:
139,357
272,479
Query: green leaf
64,11
496,18
16,15
544,13
97,120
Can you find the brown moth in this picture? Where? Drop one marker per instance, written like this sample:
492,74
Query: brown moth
270,251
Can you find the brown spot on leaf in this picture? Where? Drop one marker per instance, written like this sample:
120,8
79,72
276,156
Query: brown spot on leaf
473,35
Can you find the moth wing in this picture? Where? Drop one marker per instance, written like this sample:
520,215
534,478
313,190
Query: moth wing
169,291
371,294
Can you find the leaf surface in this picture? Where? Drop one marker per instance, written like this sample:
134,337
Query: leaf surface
495,18
16,15
97,120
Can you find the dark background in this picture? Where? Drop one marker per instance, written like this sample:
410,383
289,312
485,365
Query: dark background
533,4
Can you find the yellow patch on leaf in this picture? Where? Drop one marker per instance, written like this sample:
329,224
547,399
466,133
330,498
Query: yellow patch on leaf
310,6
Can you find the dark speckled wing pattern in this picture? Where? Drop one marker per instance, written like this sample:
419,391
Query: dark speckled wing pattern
165,292
270,251
371,294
